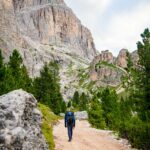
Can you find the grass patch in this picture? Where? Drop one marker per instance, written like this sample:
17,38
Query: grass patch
49,119
48,134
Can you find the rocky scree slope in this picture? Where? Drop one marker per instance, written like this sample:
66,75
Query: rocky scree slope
20,122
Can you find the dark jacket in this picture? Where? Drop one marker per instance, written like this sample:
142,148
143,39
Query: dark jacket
66,117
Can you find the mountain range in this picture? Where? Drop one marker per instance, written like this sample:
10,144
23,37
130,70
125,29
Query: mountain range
46,30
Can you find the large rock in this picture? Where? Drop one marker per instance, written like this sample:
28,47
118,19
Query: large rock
105,56
122,58
43,30
81,115
20,122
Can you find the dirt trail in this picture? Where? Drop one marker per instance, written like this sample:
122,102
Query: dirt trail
86,138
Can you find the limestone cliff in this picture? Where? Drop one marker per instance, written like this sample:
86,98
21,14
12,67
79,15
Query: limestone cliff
43,30
108,70
104,56
122,58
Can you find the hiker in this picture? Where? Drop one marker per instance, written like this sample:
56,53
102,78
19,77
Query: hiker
70,123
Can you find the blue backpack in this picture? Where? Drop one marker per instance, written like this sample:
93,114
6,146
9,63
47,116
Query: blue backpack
70,118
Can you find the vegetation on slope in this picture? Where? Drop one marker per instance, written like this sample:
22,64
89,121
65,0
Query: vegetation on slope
49,119
45,88
104,63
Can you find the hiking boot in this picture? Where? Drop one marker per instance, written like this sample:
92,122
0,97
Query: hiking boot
69,140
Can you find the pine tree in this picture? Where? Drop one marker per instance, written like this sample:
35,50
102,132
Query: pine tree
95,114
25,80
42,86
129,61
144,74
75,99
69,104
46,88
110,107
125,109
55,95
63,107
15,63
83,102
16,73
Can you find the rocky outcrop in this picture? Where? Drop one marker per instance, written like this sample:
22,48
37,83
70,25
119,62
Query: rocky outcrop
104,56
20,122
81,115
122,58
108,70
107,75
43,30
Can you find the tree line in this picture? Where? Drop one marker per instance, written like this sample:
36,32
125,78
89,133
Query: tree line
45,88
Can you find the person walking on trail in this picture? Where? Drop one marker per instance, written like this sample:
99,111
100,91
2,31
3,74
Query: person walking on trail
70,123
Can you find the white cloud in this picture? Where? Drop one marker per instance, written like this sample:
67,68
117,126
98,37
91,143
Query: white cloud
124,29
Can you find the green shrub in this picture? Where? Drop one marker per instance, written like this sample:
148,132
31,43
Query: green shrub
137,132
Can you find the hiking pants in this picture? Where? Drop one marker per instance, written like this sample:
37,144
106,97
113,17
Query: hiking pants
70,132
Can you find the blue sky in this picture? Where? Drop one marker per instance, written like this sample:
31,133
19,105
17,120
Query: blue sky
115,24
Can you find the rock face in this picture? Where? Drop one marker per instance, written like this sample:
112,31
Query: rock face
104,56
107,75
35,26
20,122
108,70
122,58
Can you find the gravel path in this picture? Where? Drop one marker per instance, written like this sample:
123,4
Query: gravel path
86,138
